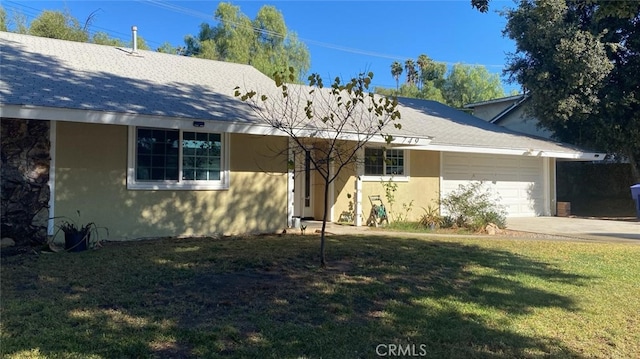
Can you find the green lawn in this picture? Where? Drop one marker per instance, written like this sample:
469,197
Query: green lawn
265,297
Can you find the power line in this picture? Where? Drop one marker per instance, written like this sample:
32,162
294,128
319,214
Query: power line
195,13
198,14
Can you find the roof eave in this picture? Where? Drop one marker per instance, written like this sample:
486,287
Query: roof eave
571,155
29,112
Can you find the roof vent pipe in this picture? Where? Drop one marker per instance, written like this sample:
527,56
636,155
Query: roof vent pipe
134,35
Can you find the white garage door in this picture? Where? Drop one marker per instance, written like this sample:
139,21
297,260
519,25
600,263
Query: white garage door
517,181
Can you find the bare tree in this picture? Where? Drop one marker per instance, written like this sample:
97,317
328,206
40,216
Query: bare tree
334,123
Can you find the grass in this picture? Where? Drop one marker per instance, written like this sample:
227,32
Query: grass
265,297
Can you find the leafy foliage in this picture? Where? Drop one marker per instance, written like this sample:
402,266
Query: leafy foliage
431,218
71,227
3,19
58,25
576,60
318,118
428,79
390,187
264,42
473,206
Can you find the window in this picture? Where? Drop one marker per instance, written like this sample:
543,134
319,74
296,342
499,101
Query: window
176,159
380,162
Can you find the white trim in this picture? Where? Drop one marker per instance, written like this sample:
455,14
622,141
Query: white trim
496,100
222,184
172,122
554,195
374,178
52,176
441,181
385,178
132,119
290,186
358,187
332,195
546,186
584,156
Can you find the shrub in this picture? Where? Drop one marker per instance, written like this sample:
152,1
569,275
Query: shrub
473,206
447,222
430,218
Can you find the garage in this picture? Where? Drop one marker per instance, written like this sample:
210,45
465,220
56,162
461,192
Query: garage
517,182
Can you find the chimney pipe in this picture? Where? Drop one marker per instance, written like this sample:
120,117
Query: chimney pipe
134,34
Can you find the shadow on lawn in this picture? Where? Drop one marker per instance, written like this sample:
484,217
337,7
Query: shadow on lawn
199,298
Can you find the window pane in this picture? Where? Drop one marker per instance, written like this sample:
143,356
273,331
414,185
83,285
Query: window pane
188,174
201,156
394,162
373,161
157,155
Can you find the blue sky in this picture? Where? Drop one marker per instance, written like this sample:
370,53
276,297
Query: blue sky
343,37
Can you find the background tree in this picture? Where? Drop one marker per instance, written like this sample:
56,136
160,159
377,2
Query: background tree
319,120
466,84
264,42
460,85
167,48
412,74
396,71
58,25
3,19
432,78
576,59
102,38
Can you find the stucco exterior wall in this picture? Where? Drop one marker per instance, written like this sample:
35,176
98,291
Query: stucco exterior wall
421,190
91,165
345,186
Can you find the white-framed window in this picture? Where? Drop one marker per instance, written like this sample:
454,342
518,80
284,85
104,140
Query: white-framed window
175,159
380,163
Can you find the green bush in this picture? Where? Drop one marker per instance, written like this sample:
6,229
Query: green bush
430,218
473,206
447,222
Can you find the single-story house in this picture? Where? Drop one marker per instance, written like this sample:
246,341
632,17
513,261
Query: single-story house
150,144
599,188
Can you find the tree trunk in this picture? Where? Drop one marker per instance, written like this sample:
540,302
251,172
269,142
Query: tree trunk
323,259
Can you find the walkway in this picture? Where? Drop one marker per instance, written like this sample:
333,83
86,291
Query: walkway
577,228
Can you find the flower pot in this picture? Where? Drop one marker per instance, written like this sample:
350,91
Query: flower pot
76,242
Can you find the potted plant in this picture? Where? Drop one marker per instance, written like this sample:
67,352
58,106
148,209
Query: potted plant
430,218
77,237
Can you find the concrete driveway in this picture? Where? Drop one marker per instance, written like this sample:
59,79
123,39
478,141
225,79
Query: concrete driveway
579,228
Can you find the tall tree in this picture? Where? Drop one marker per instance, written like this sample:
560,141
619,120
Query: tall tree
431,78
466,84
412,73
332,113
264,42
58,25
167,48
575,58
102,38
396,71
276,47
3,19
431,81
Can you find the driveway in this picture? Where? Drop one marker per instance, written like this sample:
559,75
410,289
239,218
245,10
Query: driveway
579,228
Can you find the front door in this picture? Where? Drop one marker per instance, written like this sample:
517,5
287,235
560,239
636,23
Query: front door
303,185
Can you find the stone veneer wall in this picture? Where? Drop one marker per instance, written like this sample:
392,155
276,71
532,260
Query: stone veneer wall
25,175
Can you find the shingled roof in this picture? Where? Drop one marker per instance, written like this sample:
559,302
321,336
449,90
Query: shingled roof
453,129
44,78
